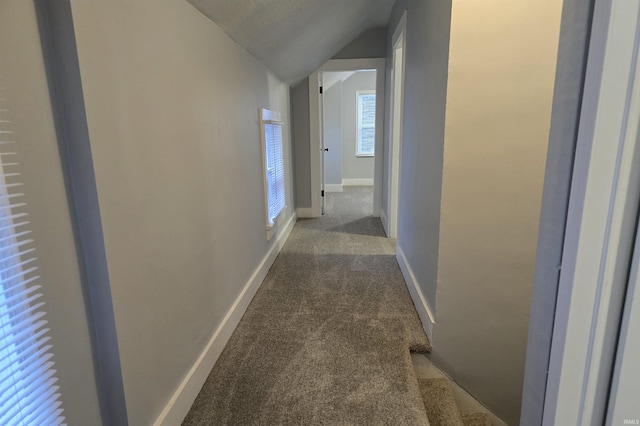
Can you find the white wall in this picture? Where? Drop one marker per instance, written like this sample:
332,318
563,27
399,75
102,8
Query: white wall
172,107
354,167
25,88
502,59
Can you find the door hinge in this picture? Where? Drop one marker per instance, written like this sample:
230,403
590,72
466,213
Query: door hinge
321,90
322,193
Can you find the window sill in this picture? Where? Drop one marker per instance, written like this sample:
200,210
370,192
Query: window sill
271,230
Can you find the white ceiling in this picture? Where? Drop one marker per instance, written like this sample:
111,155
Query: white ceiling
294,37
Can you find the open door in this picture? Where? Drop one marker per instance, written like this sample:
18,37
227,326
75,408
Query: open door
624,398
322,147
316,137
596,280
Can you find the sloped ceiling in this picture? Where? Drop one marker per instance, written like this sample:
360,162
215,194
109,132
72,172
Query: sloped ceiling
294,37
329,79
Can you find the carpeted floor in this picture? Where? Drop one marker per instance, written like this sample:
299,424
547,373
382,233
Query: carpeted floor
327,338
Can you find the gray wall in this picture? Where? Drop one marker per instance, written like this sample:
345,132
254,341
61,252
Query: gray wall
25,88
567,98
496,136
370,44
340,124
332,99
172,106
301,142
354,167
427,50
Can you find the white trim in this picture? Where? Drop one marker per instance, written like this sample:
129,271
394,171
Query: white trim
599,233
357,182
623,399
385,222
333,187
305,212
182,399
268,117
377,64
273,230
398,42
422,305
323,200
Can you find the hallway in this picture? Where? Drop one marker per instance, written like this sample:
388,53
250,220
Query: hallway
327,338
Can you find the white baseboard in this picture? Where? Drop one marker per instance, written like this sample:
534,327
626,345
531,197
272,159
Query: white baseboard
357,182
305,212
182,399
385,222
422,306
333,187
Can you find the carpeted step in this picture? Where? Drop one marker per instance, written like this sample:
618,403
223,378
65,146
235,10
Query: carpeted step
476,419
438,399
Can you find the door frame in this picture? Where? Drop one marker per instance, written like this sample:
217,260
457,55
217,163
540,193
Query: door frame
389,218
623,398
322,147
599,234
315,117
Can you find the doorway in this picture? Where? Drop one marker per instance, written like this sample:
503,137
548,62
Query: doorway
348,132
316,112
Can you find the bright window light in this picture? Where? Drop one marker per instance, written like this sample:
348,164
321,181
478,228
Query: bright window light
366,119
275,197
28,391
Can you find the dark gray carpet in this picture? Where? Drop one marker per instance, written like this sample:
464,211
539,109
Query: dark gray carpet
476,419
441,406
327,338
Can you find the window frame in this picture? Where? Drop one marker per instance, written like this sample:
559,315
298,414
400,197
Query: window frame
270,170
359,126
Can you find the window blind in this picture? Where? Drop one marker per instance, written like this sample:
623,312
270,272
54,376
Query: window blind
365,145
28,391
273,164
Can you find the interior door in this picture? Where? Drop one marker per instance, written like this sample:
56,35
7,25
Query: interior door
624,398
322,148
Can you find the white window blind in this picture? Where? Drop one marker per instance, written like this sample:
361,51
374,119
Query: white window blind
271,128
366,139
28,391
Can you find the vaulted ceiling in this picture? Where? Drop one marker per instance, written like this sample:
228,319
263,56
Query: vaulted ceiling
294,37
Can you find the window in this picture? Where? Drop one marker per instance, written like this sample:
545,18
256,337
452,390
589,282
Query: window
366,138
28,391
274,183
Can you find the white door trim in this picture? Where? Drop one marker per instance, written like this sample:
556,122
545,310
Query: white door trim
398,41
600,222
315,120
322,157
624,398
